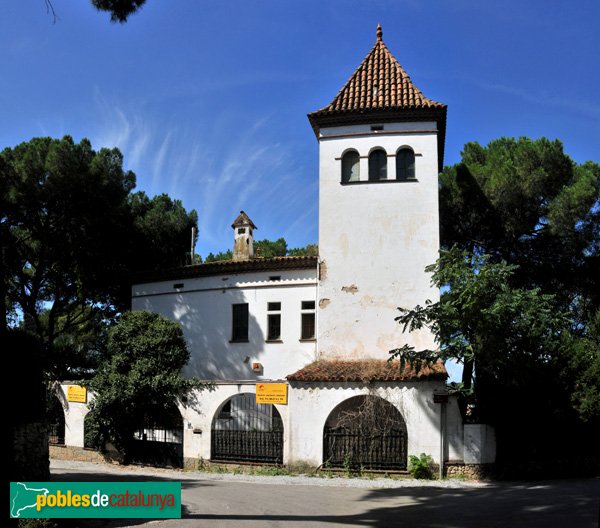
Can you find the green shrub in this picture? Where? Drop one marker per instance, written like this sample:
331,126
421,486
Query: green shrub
421,467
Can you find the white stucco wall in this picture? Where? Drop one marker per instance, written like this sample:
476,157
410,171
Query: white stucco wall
375,240
479,444
454,431
199,411
311,404
75,414
203,308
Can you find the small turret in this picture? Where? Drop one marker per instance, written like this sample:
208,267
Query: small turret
243,239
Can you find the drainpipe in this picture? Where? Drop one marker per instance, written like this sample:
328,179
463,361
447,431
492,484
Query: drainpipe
441,397
442,438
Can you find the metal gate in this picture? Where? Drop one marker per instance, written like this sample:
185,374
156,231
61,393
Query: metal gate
157,446
158,440
56,421
244,431
365,432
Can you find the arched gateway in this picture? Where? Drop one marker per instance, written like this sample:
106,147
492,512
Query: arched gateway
245,431
365,432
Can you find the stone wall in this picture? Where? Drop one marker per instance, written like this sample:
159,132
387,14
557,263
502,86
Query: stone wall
83,454
468,471
30,452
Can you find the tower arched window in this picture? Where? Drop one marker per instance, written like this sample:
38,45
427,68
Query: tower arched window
377,165
350,167
405,164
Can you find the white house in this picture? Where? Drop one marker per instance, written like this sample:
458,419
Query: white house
319,329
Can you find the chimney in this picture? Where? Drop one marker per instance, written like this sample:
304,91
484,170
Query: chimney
243,239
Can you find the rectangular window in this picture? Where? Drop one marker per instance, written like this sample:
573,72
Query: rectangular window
239,322
307,331
273,321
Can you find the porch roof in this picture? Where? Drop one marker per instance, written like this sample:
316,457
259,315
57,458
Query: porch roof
365,370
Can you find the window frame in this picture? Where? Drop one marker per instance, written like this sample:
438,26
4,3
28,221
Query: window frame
239,328
403,173
346,170
273,321
308,311
383,168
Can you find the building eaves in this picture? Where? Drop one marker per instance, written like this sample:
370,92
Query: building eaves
225,267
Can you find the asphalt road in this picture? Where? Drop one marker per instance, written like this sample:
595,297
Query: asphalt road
241,502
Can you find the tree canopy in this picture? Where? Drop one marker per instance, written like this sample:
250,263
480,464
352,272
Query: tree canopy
72,233
140,380
520,302
119,10
526,202
269,248
499,332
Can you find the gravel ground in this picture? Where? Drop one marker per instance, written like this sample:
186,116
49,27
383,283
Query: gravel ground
63,466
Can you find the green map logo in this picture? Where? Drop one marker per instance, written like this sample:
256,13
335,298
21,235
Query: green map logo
45,500
24,497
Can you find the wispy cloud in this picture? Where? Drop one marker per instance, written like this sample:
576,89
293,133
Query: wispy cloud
564,102
220,169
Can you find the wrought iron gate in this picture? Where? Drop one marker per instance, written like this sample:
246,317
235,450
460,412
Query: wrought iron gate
365,432
361,449
156,446
244,431
158,440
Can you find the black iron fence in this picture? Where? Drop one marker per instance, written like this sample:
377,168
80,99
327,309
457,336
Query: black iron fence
356,449
247,446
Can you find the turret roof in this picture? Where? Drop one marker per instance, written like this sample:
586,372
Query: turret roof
380,90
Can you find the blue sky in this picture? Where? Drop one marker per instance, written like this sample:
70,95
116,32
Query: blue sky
208,100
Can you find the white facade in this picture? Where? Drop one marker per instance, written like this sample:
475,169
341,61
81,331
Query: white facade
375,240
203,307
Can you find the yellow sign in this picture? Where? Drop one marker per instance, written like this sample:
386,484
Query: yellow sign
76,393
271,393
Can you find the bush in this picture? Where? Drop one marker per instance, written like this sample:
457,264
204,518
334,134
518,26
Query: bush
421,467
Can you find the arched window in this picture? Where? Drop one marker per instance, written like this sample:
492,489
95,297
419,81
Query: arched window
350,167
405,164
377,165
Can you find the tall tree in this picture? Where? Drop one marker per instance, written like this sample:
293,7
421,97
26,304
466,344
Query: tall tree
162,231
140,381
72,234
526,202
520,292
498,331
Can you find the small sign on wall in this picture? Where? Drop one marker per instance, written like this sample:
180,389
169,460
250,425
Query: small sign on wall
271,393
76,393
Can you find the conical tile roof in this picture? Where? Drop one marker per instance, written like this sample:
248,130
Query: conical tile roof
379,90
379,83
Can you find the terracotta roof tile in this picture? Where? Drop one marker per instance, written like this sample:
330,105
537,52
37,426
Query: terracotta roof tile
342,370
378,83
380,90
228,266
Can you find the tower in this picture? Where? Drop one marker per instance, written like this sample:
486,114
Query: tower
381,144
243,237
